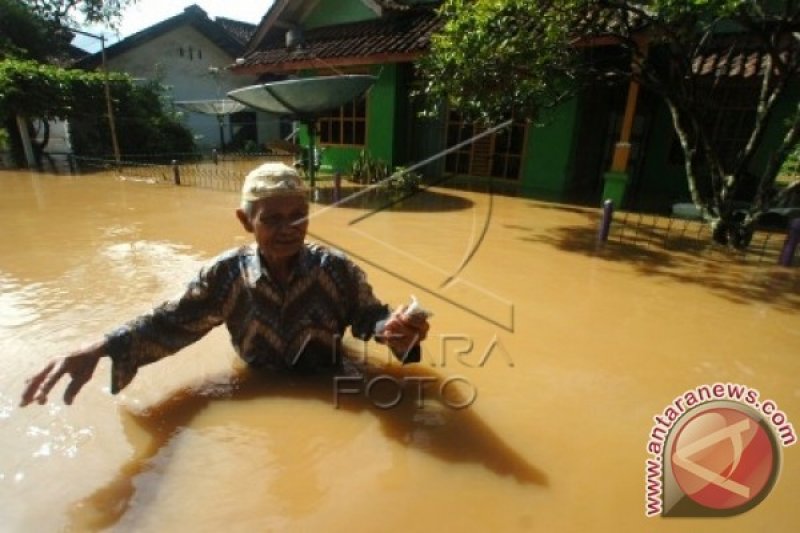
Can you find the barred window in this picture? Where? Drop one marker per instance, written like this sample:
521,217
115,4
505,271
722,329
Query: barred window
346,125
497,155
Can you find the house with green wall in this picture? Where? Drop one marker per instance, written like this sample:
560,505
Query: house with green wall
384,38
324,37
606,142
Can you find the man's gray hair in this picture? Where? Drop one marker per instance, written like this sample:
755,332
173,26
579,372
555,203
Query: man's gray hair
272,179
249,208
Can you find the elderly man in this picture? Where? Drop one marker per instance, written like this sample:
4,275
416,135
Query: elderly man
285,302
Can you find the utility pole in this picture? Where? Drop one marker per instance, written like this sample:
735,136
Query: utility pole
109,108
112,126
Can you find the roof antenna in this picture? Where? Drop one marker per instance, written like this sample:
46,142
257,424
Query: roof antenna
295,38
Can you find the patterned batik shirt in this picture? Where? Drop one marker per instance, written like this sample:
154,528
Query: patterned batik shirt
271,325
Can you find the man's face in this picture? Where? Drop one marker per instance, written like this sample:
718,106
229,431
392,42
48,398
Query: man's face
279,225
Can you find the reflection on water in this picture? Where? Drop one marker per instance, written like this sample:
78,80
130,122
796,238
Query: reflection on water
15,302
571,349
456,436
662,248
378,199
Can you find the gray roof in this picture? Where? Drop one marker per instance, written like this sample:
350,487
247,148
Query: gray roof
231,36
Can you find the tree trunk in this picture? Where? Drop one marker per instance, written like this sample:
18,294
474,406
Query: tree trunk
27,147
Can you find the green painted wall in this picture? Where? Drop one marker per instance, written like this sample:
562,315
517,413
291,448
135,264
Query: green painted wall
332,12
382,116
662,179
404,116
382,120
339,159
547,169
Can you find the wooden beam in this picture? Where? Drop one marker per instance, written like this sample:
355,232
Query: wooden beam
307,11
590,42
622,149
270,18
314,63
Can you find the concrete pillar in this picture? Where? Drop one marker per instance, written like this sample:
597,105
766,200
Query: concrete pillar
616,179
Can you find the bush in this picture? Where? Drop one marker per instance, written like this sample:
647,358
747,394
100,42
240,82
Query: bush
37,90
143,126
404,181
367,170
791,167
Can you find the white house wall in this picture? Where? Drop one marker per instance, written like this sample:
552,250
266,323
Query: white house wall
189,78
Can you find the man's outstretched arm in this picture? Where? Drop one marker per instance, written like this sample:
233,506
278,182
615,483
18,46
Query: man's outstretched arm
144,340
78,365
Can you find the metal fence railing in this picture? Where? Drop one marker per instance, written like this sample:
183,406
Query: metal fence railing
225,173
651,232
637,231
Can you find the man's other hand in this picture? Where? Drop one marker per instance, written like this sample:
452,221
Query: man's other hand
402,332
78,365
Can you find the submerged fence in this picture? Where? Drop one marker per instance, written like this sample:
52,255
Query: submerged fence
223,172
769,245
776,244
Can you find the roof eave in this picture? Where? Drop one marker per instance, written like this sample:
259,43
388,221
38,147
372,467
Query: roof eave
313,63
267,21
202,24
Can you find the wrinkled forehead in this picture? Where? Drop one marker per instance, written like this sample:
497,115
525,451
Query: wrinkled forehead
284,204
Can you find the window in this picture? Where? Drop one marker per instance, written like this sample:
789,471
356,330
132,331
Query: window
346,125
497,155
243,128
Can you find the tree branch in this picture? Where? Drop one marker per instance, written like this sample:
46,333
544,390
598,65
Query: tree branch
688,151
784,194
770,174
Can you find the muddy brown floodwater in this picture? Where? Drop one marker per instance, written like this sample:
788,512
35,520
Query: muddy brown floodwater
567,353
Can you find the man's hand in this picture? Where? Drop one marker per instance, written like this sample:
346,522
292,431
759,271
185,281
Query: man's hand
402,332
79,365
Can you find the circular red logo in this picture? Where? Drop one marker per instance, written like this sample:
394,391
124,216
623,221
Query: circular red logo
723,458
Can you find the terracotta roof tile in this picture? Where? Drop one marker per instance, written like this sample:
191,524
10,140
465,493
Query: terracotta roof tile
405,32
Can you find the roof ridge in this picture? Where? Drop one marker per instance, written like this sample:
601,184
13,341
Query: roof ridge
193,16
378,23
237,21
397,38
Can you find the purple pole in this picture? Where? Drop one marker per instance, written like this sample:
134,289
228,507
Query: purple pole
790,245
605,223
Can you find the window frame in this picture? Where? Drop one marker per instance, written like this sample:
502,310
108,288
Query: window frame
464,158
339,119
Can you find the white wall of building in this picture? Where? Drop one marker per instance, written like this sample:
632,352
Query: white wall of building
188,78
